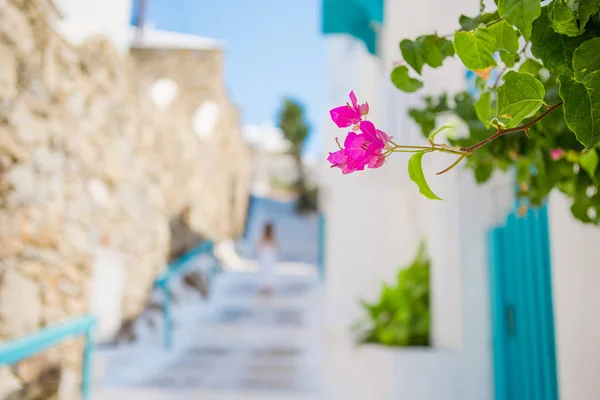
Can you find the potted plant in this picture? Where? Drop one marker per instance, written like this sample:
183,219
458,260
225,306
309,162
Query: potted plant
400,322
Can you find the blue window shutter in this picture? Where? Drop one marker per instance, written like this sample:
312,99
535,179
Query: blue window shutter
354,17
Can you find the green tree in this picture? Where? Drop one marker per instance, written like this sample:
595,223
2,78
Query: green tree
292,123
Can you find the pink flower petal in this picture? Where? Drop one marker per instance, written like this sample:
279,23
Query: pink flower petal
383,136
354,100
356,145
369,130
377,138
337,158
557,154
344,116
363,109
357,165
377,161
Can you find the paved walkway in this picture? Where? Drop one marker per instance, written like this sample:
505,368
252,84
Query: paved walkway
237,345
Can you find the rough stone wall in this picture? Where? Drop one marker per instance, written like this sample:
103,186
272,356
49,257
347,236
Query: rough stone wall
88,162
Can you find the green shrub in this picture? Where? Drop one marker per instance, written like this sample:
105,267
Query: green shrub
402,316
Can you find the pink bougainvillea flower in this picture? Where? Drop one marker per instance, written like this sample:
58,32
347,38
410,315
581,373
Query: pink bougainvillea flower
362,109
379,139
339,159
377,161
361,149
557,154
349,114
344,116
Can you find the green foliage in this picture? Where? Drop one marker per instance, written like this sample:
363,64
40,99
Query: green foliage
430,50
292,124
403,81
520,96
562,18
415,172
295,129
520,14
483,108
505,36
546,56
467,23
401,317
580,93
475,48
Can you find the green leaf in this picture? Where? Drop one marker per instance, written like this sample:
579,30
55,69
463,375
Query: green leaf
430,50
506,37
563,18
507,42
586,9
589,162
581,94
483,108
530,66
520,13
548,46
556,51
425,118
520,97
580,207
475,48
403,81
434,133
468,23
586,58
415,172
509,59
580,107
483,173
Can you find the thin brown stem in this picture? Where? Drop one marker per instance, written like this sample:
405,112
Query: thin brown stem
454,164
524,49
451,35
502,132
406,151
500,75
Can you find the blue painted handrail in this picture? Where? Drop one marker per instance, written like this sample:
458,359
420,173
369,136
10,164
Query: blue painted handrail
322,247
28,346
162,282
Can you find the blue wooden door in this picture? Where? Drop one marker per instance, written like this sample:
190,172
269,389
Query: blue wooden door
521,307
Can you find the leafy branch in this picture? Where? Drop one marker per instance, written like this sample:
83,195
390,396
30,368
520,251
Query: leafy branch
502,132
535,69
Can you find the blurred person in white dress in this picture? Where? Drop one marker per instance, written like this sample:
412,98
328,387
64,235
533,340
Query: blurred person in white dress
268,258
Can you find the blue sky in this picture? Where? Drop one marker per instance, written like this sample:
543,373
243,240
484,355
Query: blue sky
273,49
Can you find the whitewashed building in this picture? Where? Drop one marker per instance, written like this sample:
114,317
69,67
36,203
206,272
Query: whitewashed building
376,218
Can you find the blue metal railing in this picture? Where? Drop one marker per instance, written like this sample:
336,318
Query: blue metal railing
322,241
173,270
28,346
